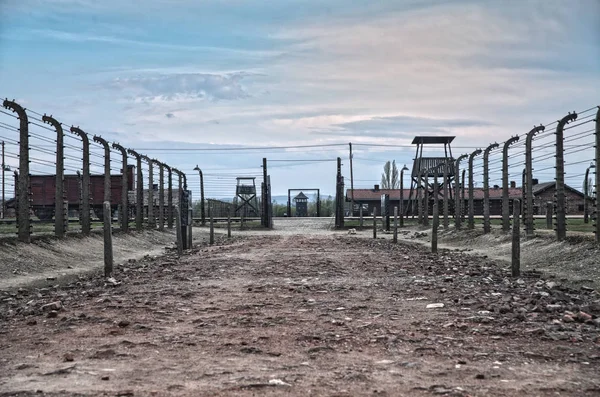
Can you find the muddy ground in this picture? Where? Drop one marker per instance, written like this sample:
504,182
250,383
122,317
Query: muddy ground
304,312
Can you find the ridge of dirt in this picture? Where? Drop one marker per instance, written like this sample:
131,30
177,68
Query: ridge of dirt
572,261
47,260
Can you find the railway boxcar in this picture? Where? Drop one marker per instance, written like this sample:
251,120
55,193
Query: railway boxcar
43,192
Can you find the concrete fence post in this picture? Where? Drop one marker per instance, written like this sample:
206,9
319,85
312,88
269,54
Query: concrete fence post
151,218
101,141
374,223
436,212
190,228
212,227
549,214
426,198
457,203
401,203
108,248
597,179
446,186
420,197
228,226
561,221
516,240
161,195
434,229
178,231
523,194
23,183
169,196
139,191
505,184
486,187
436,187
360,215
59,191
529,223
463,208
124,188
471,219
395,224
84,209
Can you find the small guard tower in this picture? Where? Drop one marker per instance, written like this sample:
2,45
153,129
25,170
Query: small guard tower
246,191
301,204
424,169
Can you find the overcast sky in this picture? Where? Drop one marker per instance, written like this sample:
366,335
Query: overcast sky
160,75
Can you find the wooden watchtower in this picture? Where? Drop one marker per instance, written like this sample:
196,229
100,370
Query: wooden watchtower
424,169
246,192
301,204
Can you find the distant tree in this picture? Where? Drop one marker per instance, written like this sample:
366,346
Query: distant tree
327,206
390,176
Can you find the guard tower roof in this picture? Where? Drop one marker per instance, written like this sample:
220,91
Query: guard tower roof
301,196
425,140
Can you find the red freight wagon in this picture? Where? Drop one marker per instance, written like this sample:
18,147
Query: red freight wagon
43,192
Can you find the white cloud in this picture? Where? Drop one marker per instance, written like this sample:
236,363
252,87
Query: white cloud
183,87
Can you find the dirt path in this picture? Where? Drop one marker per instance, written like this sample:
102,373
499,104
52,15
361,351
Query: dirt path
324,314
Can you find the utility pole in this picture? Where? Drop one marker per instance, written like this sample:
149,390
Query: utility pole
351,182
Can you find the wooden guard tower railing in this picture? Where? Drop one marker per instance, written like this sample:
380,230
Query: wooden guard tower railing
423,169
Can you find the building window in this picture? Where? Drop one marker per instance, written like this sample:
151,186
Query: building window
580,208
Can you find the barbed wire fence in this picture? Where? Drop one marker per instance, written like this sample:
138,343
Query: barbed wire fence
59,176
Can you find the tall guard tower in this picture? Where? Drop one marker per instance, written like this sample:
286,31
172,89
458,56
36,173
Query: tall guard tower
246,192
424,168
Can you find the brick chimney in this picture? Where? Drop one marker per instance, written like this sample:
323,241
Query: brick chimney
513,184
376,188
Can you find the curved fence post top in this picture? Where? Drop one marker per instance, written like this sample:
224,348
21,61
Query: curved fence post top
102,141
82,134
134,154
53,122
510,141
534,130
490,148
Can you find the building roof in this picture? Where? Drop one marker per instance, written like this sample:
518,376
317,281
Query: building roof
495,193
432,140
301,196
540,187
